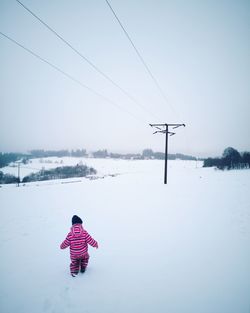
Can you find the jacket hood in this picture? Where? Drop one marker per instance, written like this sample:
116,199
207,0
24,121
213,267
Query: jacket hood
77,230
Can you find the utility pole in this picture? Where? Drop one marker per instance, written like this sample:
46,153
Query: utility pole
164,128
166,157
18,176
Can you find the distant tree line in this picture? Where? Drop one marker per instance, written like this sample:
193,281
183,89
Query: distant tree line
60,173
150,154
100,154
57,153
127,156
7,158
56,173
8,178
146,154
231,159
106,154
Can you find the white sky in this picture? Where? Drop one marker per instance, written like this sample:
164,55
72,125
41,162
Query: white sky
197,50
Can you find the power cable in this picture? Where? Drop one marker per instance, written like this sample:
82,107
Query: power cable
71,77
87,60
140,57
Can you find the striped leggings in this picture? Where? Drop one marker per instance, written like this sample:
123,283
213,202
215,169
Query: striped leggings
79,263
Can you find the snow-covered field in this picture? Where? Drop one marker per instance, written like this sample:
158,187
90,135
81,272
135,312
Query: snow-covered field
180,248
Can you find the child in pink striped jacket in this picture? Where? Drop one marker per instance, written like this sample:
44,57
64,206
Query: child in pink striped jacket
78,240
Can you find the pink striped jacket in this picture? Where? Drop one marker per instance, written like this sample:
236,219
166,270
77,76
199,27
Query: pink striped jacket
78,240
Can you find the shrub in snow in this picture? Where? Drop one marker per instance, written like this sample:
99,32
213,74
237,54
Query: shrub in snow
231,159
60,173
7,178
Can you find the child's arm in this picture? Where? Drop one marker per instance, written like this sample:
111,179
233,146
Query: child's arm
91,241
66,242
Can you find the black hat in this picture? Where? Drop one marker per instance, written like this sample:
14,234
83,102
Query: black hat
76,220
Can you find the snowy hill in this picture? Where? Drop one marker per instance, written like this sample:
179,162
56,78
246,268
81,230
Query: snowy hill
180,248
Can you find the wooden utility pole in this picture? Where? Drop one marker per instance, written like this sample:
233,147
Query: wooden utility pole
164,128
166,157
18,176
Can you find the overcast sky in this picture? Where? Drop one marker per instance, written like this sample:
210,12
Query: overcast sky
199,52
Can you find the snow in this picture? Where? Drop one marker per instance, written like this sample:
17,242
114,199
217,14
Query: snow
179,248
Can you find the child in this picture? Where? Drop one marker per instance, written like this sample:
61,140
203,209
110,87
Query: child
78,240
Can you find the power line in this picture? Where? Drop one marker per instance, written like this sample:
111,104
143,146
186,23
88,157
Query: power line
140,56
71,77
86,59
